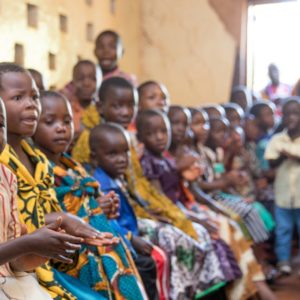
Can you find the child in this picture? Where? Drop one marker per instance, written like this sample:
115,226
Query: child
108,51
110,166
153,94
234,114
81,91
215,111
37,203
241,96
79,194
38,78
282,153
24,253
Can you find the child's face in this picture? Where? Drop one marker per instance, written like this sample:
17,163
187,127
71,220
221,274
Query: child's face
55,129
153,97
21,100
240,98
291,116
3,134
218,133
251,130
112,156
84,80
120,107
106,52
236,137
155,135
200,127
179,123
266,118
233,117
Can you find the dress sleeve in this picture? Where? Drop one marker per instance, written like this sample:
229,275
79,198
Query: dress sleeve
150,169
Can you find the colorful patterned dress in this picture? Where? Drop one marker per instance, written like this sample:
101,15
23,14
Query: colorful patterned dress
36,197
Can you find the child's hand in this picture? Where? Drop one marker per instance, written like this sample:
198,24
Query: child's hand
261,183
288,155
50,243
193,172
110,205
141,246
75,226
233,178
185,162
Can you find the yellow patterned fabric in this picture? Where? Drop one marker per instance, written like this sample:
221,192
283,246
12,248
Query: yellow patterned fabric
90,119
35,198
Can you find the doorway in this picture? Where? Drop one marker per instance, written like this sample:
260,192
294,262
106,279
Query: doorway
273,37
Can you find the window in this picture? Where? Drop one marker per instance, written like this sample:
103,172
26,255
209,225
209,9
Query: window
63,23
52,61
19,54
90,32
32,15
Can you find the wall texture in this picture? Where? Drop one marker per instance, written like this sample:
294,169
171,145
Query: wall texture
188,45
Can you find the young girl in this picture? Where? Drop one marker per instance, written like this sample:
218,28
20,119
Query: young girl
78,194
234,114
153,95
37,203
20,252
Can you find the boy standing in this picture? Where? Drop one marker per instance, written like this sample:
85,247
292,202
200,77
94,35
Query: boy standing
283,153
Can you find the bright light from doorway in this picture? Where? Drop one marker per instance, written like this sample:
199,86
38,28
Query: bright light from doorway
273,37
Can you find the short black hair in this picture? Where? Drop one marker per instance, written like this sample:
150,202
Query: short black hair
145,84
258,106
195,110
8,67
111,83
35,72
217,107
144,115
100,131
215,120
186,111
82,62
232,106
109,32
290,100
52,94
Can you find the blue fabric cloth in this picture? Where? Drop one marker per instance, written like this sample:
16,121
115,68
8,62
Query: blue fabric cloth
260,151
127,219
286,219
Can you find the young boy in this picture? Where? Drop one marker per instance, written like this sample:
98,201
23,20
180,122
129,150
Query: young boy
81,91
108,51
283,154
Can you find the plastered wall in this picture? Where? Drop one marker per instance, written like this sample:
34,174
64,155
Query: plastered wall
188,45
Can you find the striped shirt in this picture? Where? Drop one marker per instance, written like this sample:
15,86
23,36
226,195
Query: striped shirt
9,219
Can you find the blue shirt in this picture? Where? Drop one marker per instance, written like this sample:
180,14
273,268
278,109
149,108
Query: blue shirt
127,218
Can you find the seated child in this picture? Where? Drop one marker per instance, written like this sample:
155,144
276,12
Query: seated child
110,163
37,202
234,114
264,191
21,252
241,96
153,95
215,111
154,131
283,153
81,91
108,51
78,194
38,78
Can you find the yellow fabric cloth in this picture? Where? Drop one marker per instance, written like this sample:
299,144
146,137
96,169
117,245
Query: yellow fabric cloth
35,198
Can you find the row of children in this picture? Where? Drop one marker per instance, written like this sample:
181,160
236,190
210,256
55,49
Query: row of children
164,207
